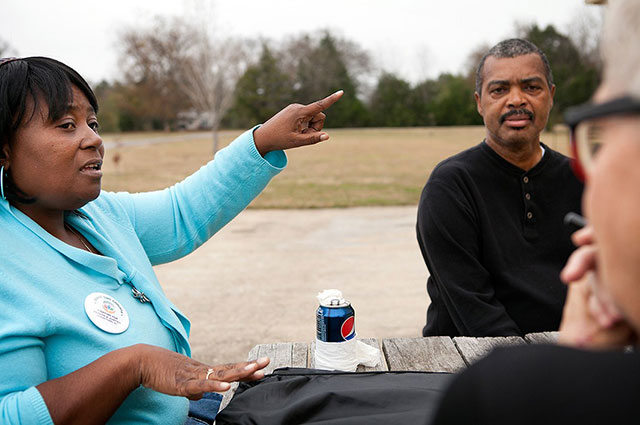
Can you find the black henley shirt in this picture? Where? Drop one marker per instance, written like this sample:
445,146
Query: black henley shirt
493,238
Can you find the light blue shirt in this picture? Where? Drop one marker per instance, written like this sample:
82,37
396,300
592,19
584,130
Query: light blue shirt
44,330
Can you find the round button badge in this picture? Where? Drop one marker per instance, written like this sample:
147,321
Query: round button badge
106,313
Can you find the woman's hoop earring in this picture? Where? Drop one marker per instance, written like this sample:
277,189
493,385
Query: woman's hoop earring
4,198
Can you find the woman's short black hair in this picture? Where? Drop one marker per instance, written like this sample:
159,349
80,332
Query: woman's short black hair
24,83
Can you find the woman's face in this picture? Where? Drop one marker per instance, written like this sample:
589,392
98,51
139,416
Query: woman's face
58,163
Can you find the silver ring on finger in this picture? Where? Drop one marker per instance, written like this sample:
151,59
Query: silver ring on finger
209,372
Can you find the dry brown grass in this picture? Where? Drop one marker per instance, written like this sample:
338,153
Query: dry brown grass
356,167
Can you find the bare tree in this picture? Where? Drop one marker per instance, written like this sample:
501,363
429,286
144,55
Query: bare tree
209,72
150,59
213,63
186,66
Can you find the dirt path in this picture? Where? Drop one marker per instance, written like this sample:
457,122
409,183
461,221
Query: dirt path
256,280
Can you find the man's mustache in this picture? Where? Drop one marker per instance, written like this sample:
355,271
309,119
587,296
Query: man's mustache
526,112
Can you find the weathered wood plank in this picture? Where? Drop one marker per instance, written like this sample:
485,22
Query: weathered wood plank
299,354
283,354
473,349
542,338
226,398
430,354
312,355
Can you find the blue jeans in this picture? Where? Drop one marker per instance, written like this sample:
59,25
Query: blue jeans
204,411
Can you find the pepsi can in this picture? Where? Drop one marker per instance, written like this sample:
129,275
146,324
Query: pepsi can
335,320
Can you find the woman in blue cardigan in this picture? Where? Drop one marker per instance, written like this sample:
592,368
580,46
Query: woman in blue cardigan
86,333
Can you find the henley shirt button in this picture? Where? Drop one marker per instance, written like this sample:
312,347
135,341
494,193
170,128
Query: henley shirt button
525,179
527,195
529,215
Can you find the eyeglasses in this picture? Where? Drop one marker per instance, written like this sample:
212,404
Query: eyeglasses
586,129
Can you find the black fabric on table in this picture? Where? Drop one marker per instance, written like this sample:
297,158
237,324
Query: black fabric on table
303,396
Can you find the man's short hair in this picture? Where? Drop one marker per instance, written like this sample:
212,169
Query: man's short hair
510,49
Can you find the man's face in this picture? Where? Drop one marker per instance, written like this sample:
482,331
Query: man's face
612,205
515,100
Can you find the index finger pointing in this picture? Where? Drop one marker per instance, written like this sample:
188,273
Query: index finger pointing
322,104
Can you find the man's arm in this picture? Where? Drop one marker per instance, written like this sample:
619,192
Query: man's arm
450,240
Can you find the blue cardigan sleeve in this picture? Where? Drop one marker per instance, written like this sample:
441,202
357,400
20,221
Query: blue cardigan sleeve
22,359
171,223
24,408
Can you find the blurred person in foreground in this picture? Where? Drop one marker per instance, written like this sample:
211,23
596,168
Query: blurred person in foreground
87,335
490,219
593,381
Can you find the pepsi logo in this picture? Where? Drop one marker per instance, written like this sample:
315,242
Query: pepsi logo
347,330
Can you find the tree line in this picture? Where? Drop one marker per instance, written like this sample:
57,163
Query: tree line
176,76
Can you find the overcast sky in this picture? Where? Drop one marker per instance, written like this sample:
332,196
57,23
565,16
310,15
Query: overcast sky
415,39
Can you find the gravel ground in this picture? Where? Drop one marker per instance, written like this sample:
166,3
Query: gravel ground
256,280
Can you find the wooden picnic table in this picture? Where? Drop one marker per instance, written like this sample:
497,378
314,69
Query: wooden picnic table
427,354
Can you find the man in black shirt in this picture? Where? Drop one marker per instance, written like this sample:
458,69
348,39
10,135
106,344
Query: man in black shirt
490,219
562,385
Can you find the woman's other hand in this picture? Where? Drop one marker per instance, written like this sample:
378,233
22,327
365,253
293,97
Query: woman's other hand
294,126
172,373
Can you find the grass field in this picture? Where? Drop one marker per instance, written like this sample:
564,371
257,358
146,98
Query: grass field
356,167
